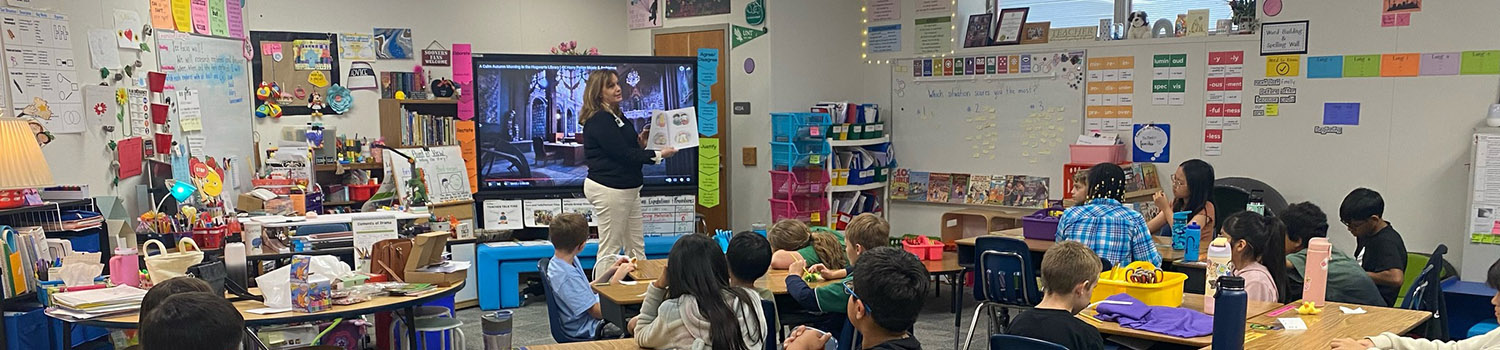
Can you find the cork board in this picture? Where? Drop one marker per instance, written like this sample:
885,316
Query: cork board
294,61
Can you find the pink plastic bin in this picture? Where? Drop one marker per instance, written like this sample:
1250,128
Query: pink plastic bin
810,209
924,249
798,182
1090,154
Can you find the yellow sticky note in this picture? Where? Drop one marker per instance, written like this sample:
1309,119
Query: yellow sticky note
1283,65
1273,109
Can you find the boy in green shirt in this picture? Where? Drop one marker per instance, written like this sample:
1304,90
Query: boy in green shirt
1347,281
864,232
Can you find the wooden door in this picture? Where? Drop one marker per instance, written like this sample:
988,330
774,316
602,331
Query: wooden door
687,44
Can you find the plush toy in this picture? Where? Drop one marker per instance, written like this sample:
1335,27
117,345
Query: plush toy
1138,26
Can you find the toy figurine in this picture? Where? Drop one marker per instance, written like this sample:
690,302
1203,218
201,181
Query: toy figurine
315,103
1138,25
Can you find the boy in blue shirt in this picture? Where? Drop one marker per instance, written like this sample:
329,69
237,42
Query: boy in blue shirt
582,317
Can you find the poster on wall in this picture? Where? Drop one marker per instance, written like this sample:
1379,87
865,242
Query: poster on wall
503,215
934,35
694,8
883,39
356,46
43,73
393,43
312,55
644,14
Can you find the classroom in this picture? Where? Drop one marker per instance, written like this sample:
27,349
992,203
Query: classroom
875,174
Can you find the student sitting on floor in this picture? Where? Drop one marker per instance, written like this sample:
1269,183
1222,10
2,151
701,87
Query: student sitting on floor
582,317
793,241
193,320
1258,254
1104,225
886,293
1379,248
1389,340
693,306
749,257
864,232
1069,274
1347,281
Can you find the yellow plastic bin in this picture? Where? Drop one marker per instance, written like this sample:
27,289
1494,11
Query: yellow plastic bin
1167,293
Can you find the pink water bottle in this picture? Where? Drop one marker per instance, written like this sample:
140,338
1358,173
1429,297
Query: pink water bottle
125,268
1315,281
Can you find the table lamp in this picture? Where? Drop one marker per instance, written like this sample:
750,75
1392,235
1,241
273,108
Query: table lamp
22,166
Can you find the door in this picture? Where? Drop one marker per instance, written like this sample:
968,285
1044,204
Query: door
687,44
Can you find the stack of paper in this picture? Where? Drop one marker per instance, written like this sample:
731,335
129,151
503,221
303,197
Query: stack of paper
97,302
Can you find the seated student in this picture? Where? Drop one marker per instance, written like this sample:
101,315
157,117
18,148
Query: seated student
193,320
886,294
1193,189
170,287
1257,251
793,241
749,257
864,232
1104,225
693,306
1379,248
1388,340
582,317
1347,281
1068,277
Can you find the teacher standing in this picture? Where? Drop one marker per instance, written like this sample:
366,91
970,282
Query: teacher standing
614,153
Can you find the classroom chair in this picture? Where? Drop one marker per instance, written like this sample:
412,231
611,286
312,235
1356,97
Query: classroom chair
554,311
452,329
1231,194
1007,341
424,312
768,309
1414,263
1426,294
1006,280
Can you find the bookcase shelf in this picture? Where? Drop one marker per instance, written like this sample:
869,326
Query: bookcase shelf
391,118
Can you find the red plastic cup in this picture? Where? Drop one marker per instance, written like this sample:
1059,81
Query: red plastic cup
163,143
157,81
159,113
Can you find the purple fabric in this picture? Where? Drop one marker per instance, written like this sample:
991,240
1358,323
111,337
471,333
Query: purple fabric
1173,321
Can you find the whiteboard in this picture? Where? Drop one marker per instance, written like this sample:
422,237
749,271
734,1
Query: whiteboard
999,124
447,176
216,68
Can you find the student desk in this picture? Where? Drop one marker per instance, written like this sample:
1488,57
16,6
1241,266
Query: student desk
1333,324
614,344
374,305
649,269
618,302
1189,301
1468,304
1037,246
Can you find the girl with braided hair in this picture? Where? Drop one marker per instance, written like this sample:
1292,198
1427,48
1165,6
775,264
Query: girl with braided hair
1118,234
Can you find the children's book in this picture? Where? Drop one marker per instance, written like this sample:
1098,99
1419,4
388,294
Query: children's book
979,189
917,190
1034,193
1150,178
996,194
938,187
960,189
900,184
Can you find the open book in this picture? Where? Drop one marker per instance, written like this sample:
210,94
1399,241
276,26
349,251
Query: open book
676,128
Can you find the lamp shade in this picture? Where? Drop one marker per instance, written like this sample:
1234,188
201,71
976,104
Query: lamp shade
22,165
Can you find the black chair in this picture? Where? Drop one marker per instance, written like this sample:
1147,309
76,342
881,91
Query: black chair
1231,194
554,311
1426,294
540,152
768,308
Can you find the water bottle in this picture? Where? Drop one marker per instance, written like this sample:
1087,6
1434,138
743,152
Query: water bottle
497,328
1315,281
1190,238
1179,224
1218,267
1256,204
125,268
1229,324
759,227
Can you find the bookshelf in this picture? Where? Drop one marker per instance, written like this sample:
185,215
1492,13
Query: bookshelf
391,119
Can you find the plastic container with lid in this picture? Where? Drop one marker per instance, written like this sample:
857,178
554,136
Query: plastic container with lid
1315,280
1219,255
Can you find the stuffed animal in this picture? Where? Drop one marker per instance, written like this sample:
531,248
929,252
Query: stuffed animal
1138,26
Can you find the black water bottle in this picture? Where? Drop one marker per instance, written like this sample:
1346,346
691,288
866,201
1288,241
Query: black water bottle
1229,314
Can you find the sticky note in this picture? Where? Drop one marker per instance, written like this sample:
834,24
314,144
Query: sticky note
1325,67
1480,62
1361,66
1444,63
1273,109
1400,64
1341,113
1283,65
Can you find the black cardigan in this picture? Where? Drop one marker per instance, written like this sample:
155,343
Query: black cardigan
613,152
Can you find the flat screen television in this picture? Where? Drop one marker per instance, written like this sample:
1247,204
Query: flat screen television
526,108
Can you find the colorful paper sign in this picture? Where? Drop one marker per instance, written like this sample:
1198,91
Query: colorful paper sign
1325,67
883,39
708,172
161,14
1283,65
934,34
1400,65
1480,62
234,14
218,20
1361,66
1445,63
463,75
1151,143
1341,113
129,153
708,75
465,134
199,15
182,15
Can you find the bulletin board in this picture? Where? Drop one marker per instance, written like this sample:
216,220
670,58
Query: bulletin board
293,60
1001,124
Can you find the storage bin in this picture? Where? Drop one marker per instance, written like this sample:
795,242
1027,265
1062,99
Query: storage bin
1167,293
790,127
800,181
874,130
810,209
1041,224
882,174
1091,154
923,248
362,192
789,155
856,131
210,238
838,132
1073,168
839,177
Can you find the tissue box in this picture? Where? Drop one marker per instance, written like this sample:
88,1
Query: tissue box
311,295
301,268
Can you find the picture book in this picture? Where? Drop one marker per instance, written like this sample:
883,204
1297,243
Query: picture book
1035,192
960,189
900,184
996,195
917,186
979,189
939,186
1151,179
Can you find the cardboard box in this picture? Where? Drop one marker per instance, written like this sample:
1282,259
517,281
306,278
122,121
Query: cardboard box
462,210
427,249
312,295
249,203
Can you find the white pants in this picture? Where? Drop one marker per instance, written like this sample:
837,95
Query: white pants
620,226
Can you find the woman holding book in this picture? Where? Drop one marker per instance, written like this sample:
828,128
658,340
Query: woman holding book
614,153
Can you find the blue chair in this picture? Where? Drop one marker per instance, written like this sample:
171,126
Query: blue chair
554,311
768,308
1426,294
1005,279
1006,341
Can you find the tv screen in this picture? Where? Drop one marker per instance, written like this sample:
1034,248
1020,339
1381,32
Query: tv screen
526,108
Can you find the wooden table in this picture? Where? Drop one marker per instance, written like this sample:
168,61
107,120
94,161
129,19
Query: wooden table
572,152
615,344
1163,246
619,302
649,269
1189,301
1333,324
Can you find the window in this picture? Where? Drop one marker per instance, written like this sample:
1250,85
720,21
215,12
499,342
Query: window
1080,13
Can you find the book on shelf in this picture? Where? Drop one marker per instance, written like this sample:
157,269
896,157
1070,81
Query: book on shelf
979,189
918,186
419,129
960,190
900,183
406,82
938,187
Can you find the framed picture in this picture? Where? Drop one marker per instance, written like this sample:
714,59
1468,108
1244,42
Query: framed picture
1008,31
1283,38
1036,32
978,34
